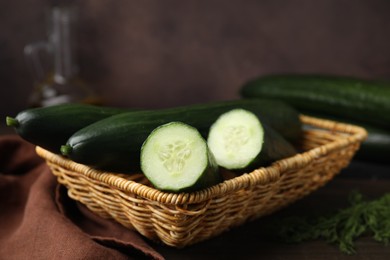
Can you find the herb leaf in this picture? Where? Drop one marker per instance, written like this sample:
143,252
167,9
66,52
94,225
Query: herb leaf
343,227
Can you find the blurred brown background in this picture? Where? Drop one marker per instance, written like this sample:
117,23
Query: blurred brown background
165,53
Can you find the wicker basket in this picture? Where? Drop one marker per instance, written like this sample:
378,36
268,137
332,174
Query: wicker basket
182,219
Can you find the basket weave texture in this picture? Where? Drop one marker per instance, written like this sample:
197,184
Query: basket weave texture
183,219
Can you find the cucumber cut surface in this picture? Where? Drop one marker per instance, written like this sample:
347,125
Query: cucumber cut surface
236,139
240,141
175,157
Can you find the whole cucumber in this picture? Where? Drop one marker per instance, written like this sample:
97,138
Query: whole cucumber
50,127
376,147
362,100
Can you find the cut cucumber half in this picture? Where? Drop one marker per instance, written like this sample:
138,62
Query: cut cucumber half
175,158
238,140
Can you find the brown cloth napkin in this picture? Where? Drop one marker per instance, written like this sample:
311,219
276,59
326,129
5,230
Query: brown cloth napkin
39,221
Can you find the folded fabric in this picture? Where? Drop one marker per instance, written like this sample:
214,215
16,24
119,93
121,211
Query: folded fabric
39,221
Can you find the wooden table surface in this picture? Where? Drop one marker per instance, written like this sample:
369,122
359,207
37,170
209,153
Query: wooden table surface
249,242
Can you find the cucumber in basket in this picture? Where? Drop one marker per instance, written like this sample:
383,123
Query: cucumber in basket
362,100
239,141
175,158
50,127
114,143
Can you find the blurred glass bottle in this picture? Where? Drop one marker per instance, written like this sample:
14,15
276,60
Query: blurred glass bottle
54,64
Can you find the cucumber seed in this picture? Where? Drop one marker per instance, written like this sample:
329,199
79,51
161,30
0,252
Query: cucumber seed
174,156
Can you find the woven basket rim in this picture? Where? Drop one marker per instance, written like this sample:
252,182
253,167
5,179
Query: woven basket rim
263,175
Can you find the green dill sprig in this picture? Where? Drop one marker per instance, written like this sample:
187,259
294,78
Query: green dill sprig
362,217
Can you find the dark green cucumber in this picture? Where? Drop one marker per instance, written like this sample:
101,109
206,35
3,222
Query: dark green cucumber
114,144
362,100
240,141
175,158
50,127
376,147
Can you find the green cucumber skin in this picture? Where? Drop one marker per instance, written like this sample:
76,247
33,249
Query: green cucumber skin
376,148
50,127
275,147
114,144
362,100
209,178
